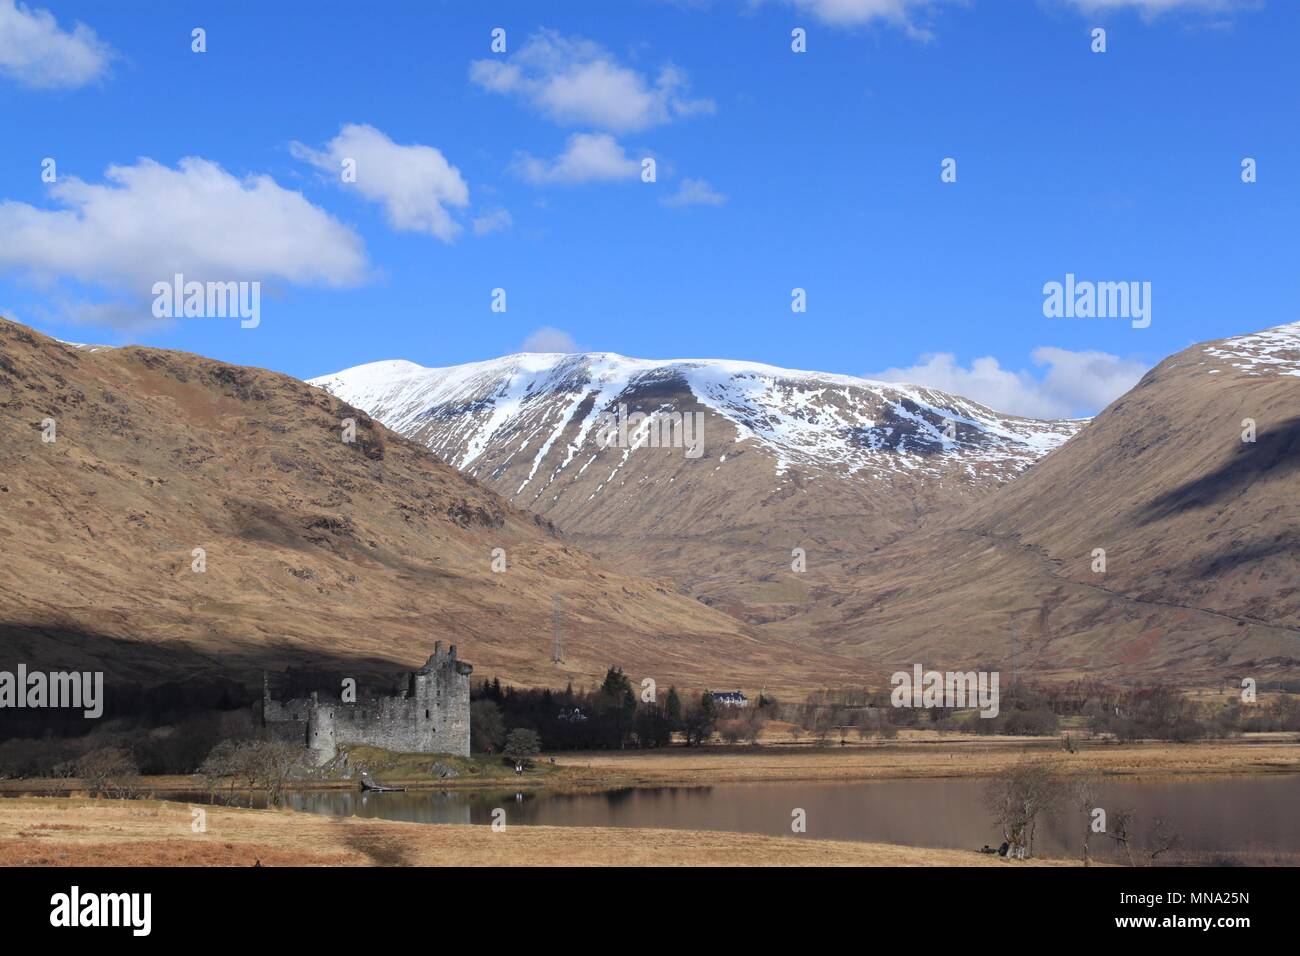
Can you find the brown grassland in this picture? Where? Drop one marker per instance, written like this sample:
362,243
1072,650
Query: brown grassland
44,831
932,756
914,755
77,830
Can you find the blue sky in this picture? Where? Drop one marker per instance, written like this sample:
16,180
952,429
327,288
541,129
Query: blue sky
775,170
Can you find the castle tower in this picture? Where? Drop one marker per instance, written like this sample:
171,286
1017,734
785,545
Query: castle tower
441,692
321,742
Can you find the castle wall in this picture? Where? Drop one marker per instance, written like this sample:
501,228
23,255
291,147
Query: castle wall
433,717
400,724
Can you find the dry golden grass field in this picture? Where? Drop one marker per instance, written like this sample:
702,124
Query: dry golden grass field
914,755
924,756
46,831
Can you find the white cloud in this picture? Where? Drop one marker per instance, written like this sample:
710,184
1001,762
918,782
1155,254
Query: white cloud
575,81
36,52
547,339
694,192
587,157
148,221
498,220
1075,384
415,184
899,13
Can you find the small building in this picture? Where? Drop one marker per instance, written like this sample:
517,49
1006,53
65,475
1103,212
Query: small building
730,698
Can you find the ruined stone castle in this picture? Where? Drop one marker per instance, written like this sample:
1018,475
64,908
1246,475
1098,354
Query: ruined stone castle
432,716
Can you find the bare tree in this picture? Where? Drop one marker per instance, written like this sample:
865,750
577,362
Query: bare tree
1164,837
221,765
1018,797
821,726
730,729
1085,795
256,764
111,771
269,764
1120,829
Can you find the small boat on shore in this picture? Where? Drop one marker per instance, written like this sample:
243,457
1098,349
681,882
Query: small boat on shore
371,787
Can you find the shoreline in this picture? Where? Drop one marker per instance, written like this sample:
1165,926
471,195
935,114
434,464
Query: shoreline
51,831
929,757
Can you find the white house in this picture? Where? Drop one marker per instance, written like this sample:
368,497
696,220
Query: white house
730,698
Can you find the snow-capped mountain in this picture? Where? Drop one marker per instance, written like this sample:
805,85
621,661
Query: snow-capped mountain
765,460
546,408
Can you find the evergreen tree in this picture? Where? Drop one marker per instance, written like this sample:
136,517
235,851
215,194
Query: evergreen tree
707,705
673,710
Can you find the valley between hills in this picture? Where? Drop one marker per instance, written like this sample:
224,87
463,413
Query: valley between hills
930,528
834,530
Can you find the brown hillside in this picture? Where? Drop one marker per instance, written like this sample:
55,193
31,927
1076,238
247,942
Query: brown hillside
1201,532
319,552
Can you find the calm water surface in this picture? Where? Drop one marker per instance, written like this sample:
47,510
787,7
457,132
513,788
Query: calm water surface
1228,820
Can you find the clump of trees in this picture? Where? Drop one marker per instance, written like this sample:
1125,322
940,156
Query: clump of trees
1019,798
1161,713
262,763
837,712
1165,712
1024,794
176,748
110,771
139,706
1023,711
487,727
1281,713
699,720
613,716
1156,712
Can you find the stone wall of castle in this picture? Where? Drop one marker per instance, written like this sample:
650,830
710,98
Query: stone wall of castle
433,716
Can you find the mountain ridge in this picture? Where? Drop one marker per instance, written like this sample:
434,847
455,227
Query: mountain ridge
962,550
1196,518
413,388
313,547
830,464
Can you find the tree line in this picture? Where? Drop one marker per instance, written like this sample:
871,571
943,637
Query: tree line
611,717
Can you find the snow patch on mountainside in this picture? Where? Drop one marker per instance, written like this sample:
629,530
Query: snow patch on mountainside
811,419
84,347
1274,350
